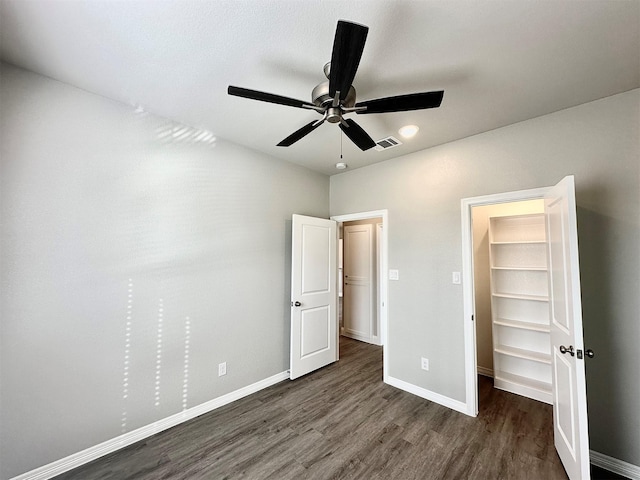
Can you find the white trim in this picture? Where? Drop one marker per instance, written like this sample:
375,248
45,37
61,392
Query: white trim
384,319
614,465
92,453
427,394
470,360
377,339
487,372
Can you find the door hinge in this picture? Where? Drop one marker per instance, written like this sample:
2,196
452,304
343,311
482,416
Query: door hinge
472,317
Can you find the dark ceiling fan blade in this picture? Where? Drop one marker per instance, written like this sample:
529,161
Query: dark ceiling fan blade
298,134
357,135
348,45
267,97
403,103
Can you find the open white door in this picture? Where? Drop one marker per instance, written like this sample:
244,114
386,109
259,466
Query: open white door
571,436
314,329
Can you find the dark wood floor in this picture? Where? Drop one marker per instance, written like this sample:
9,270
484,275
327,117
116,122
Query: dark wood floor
342,422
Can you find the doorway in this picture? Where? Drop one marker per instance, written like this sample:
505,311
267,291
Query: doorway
359,263
508,325
470,334
377,251
559,234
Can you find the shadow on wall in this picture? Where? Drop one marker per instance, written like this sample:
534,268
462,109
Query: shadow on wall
606,381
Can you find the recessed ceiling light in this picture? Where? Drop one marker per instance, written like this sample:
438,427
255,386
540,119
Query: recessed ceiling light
408,131
341,165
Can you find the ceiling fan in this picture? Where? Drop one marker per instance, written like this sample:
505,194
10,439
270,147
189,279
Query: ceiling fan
337,97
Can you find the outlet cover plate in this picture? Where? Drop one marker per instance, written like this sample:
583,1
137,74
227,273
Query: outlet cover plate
425,363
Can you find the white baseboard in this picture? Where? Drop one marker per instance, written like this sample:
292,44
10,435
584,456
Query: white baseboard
92,453
487,372
614,465
427,394
88,455
361,338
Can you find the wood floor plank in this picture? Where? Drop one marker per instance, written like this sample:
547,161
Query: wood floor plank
343,422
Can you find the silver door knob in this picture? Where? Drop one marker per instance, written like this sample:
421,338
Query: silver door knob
569,350
589,353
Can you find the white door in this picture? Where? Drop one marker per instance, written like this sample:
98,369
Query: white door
314,332
357,310
569,396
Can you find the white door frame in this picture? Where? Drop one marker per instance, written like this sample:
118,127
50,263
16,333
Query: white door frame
469,302
383,301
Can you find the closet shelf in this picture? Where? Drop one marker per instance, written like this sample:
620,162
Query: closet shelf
522,296
519,242
535,327
519,285
543,387
523,268
522,353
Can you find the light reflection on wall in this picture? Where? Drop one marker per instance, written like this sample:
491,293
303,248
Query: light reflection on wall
159,351
185,380
172,132
127,351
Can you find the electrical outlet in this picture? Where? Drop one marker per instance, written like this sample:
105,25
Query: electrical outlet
425,363
222,369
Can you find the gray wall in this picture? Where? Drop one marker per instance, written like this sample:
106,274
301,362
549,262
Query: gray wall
599,143
99,205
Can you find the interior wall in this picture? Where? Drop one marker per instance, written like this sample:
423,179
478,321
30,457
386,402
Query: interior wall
482,272
136,255
598,142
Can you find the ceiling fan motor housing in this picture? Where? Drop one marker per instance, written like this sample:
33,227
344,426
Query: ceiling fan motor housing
320,96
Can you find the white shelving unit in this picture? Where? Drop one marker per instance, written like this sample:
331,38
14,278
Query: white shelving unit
520,306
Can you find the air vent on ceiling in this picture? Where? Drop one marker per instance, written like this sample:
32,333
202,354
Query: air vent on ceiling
387,143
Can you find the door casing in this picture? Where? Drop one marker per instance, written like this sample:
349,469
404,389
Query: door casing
470,361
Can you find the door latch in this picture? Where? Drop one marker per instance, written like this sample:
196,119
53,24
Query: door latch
589,353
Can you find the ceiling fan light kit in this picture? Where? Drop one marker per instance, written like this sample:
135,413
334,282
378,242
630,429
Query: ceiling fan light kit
335,98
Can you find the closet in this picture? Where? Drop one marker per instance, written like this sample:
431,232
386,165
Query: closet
511,297
520,305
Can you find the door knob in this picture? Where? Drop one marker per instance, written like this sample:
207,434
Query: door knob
569,350
589,353
296,304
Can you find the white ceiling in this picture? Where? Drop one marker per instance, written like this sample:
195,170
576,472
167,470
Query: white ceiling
499,62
